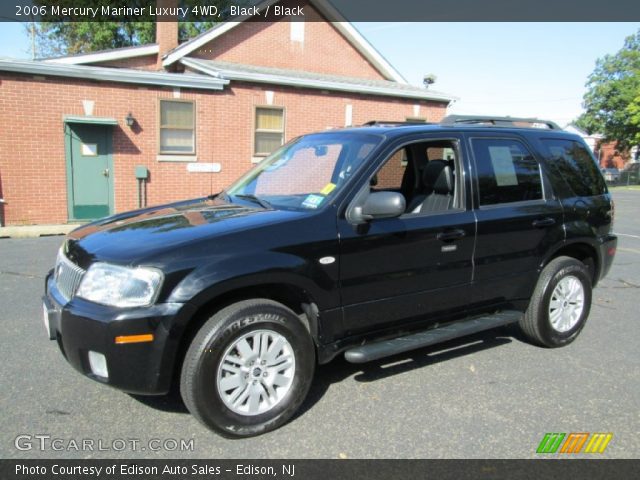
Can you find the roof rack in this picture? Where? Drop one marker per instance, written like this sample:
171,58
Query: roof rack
393,123
498,121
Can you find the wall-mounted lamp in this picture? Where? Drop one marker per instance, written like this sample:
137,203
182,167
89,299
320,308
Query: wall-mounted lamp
130,120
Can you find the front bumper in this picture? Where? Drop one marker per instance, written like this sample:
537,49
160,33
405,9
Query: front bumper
80,326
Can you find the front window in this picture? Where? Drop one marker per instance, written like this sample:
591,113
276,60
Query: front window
307,172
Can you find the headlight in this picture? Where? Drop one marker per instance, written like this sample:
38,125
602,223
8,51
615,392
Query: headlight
120,286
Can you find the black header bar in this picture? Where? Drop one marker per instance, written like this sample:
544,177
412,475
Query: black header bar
316,469
299,10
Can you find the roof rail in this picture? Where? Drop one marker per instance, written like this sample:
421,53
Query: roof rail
498,121
392,123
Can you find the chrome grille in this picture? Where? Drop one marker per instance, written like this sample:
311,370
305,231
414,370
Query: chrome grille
67,276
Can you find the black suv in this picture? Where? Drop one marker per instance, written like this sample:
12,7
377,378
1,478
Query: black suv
365,242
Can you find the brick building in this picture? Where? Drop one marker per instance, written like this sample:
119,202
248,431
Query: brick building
610,156
193,116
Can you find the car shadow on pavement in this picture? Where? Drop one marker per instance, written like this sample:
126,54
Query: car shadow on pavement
339,369
171,402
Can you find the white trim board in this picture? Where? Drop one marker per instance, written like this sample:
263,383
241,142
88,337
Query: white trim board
121,75
106,56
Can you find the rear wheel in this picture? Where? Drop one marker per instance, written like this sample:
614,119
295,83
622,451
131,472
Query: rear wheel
248,369
560,303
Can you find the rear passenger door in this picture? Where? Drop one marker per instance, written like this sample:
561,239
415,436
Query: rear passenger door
518,220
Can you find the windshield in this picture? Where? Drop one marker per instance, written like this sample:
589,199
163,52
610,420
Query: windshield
305,173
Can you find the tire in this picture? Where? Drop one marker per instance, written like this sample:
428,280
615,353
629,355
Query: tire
233,356
553,319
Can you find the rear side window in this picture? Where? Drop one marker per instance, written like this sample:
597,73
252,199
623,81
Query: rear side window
577,167
507,172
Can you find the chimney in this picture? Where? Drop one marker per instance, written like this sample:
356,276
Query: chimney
166,28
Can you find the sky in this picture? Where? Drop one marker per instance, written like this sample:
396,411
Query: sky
517,69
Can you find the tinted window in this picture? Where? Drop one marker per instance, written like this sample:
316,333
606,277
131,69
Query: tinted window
577,167
507,172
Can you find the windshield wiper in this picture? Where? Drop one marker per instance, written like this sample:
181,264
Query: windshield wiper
250,196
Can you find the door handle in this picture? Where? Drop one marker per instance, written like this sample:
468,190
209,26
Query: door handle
105,172
448,235
544,222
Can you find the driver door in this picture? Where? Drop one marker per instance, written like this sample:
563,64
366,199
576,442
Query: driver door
415,267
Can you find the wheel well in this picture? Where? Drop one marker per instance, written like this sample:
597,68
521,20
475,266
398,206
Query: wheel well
290,296
583,252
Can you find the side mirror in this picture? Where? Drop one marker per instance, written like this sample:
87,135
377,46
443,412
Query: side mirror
381,205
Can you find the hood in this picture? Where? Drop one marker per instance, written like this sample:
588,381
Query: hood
141,234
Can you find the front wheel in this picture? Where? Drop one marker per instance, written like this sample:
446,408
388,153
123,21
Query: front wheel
248,369
560,303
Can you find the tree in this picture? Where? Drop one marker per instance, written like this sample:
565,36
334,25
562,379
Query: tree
53,37
633,109
612,101
70,38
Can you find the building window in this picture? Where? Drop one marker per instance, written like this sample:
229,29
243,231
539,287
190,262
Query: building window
177,127
297,32
269,133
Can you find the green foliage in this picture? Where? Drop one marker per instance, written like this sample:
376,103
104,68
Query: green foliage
633,109
189,30
55,36
612,101
70,38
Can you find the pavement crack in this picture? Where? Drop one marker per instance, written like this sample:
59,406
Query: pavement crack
602,305
628,284
20,274
57,412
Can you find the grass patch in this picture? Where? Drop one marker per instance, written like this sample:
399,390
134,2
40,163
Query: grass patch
624,187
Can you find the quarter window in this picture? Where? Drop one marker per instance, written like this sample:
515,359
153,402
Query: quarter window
269,134
177,127
507,172
577,167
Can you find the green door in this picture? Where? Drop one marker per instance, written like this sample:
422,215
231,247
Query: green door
89,171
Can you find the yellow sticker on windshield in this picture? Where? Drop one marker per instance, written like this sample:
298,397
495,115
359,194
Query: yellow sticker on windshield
328,188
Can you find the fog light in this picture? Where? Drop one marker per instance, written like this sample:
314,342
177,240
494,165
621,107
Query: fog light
98,364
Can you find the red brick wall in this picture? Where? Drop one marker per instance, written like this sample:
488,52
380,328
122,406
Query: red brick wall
32,156
147,62
324,49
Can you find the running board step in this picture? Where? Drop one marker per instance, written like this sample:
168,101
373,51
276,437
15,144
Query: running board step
374,351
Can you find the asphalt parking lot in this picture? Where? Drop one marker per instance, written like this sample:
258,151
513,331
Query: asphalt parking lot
487,396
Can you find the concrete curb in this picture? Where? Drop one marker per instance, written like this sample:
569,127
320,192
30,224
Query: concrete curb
31,231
